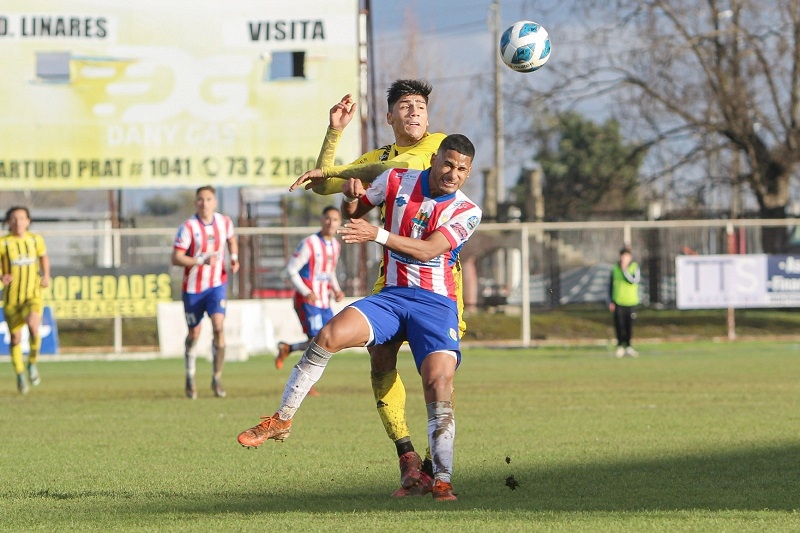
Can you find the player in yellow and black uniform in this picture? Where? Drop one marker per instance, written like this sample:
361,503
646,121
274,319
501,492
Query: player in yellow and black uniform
24,270
413,148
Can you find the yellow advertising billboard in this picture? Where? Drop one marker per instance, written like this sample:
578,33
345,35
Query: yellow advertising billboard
119,94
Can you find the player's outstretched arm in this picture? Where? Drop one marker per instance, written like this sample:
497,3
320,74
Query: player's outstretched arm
340,116
357,230
343,112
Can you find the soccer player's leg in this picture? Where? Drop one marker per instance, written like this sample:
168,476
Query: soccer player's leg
390,399
193,309
285,348
436,353
15,321
314,319
34,320
215,307
348,329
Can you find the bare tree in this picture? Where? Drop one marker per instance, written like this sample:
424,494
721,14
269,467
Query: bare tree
710,87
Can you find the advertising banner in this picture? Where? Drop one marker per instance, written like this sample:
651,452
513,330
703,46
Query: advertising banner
108,292
152,93
47,330
738,281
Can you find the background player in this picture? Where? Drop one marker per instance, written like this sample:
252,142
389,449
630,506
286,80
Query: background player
312,271
623,296
417,303
25,270
200,249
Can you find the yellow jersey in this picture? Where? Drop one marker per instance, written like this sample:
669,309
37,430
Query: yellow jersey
19,256
373,163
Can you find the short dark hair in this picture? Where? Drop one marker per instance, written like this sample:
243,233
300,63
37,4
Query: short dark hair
329,208
458,143
401,88
16,208
209,188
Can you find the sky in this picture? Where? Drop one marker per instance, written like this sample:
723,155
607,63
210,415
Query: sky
457,55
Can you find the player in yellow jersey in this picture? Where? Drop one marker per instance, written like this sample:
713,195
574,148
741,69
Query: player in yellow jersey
24,270
413,147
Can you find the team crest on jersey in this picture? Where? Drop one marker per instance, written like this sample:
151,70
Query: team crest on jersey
472,222
401,200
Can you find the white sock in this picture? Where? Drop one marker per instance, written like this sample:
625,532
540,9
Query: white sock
304,374
441,437
190,359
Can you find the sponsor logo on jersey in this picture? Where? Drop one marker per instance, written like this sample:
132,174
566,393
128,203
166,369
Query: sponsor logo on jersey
460,230
420,222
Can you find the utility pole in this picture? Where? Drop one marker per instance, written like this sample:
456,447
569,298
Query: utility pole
500,187
499,145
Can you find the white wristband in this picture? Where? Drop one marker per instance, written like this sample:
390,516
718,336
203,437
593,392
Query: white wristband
234,257
200,260
349,200
382,236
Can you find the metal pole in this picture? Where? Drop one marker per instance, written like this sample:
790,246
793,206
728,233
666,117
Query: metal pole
526,286
499,146
117,245
729,230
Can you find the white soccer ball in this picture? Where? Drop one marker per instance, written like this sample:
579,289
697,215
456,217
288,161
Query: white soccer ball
525,46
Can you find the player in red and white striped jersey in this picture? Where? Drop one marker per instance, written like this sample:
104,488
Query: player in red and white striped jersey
312,271
414,213
200,249
430,220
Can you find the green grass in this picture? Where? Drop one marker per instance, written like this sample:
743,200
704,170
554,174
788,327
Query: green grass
595,323
688,437
589,322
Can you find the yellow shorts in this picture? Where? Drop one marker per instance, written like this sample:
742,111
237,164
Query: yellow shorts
17,315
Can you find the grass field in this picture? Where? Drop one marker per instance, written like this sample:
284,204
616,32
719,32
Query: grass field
583,322
688,437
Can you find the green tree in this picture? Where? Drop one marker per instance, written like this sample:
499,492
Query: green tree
713,87
160,205
588,169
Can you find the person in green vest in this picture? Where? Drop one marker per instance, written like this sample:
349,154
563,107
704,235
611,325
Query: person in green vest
623,294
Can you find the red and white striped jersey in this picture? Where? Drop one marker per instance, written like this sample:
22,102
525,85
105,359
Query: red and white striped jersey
198,239
312,268
411,212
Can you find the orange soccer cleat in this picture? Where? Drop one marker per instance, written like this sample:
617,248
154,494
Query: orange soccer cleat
271,427
443,492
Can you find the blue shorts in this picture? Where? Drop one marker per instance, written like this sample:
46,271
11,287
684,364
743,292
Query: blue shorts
428,321
210,301
311,317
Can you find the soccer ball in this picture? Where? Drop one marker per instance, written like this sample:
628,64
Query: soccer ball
525,46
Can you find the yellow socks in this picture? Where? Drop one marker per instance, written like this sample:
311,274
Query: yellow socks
390,396
16,359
